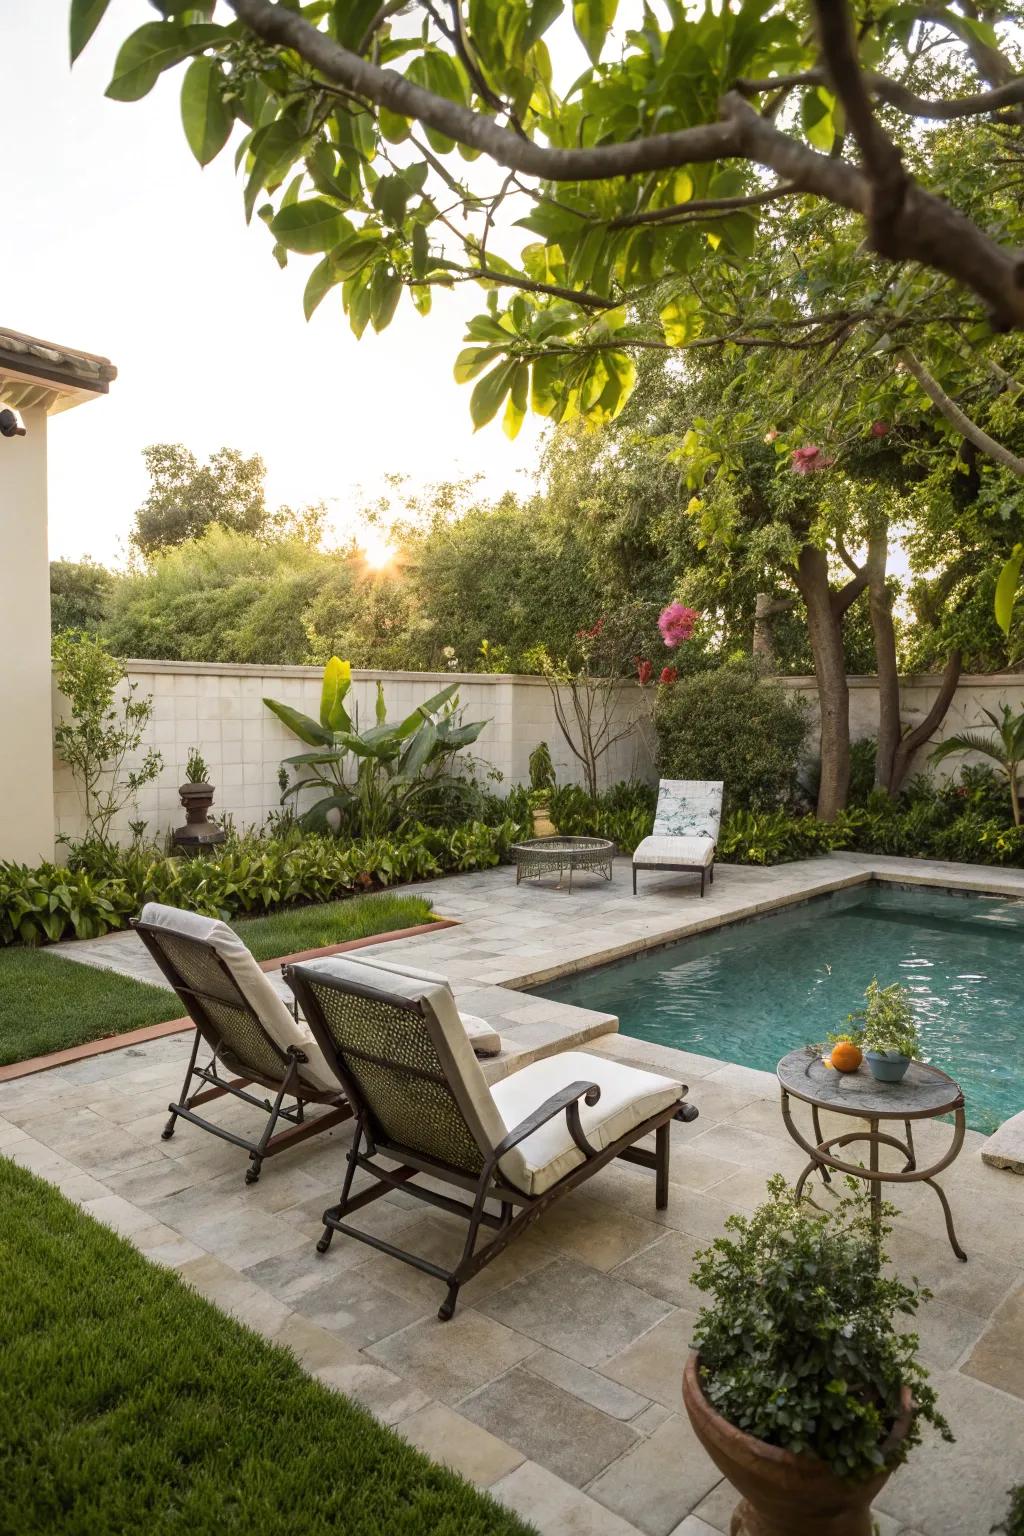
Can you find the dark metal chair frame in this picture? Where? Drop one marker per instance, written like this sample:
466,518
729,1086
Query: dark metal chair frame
695,869
290,1084
490,1185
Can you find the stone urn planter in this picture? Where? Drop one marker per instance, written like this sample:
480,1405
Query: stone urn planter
543,826
784,1494
199,833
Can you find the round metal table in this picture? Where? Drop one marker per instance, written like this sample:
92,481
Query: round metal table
544,855
923,1094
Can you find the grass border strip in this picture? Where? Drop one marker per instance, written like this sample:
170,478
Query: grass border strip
101,1047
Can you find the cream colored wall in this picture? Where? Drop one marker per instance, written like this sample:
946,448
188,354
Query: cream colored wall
220,710
26,752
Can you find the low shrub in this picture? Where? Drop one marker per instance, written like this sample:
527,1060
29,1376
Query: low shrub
105,886
734,725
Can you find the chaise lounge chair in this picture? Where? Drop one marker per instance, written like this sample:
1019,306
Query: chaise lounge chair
422,1104
249,1029
484,1039
685,829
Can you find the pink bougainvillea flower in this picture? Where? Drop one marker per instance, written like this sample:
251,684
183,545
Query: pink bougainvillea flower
676,623
809,459
879,428
668,675
591,633
644,672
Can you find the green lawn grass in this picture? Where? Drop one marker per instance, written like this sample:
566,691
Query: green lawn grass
129,1404
333,922
48,1003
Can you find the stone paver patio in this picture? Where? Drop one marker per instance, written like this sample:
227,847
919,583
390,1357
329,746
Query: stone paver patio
557,1384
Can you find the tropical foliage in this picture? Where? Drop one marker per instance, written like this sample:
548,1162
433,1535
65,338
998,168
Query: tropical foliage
799,1345
373,781
1006,747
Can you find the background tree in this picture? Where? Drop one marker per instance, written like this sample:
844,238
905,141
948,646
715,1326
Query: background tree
80,591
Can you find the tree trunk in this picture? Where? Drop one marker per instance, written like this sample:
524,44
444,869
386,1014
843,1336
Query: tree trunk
880,607
929,725
824,627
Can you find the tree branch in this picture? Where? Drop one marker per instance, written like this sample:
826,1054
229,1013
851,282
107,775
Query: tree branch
931,722
700,205
952,412
584,299
895,94
881,159
849,594
923,228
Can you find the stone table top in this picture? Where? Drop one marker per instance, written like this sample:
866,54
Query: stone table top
924,1091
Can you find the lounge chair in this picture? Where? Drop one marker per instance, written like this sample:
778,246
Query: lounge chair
483,1037
249,1029
685,829
422,1104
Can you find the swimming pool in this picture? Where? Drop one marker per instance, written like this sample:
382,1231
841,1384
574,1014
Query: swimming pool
754,990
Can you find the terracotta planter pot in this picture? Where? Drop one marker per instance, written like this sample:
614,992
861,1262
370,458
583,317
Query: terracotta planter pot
784,1494
543,826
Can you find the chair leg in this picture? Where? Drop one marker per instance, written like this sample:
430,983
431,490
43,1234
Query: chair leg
168,1130
257,1154
346,1189
662,1149
634,879
711,874
702,874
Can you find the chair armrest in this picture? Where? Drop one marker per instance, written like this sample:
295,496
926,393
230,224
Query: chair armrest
567,1100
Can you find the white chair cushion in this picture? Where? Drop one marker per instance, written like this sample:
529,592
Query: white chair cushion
484,1039
675,850
254,986
628,1097
460,1066
688,808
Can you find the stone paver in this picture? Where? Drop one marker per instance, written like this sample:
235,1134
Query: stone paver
562,1365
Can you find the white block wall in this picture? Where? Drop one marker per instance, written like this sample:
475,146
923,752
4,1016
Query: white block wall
220,710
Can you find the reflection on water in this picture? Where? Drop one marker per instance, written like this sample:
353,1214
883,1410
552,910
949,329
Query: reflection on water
755,991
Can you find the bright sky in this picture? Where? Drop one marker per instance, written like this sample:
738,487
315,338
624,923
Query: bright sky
113,240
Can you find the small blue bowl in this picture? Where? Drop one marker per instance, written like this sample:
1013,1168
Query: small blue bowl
887,1066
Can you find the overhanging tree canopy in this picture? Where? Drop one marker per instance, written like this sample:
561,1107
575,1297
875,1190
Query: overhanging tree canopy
402,142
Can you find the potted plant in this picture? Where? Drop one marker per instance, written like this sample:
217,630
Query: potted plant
199,832
888,1031
542,782
800,1388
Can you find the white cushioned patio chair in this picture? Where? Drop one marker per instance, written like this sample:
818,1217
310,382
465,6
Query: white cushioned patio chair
249,1030
685,832
483,1037
423,1106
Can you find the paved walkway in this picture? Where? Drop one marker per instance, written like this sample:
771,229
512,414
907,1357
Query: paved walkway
557,1384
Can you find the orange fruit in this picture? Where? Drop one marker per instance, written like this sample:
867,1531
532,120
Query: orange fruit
846,1057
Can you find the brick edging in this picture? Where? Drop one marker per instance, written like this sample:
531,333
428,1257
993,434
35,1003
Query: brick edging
16,1069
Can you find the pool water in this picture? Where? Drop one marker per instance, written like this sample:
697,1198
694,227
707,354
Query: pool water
755,990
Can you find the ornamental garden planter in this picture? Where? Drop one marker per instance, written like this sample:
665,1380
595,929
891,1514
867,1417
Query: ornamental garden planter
784,1494
199,834
887,1066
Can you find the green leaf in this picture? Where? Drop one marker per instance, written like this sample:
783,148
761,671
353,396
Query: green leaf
86,16
592,20
307,730
321,280
315,225
681,320
515,407
390,196
157,46
473,360
816,116
381,708
1006,588
336,684
385,291
273,148
488,395
206,119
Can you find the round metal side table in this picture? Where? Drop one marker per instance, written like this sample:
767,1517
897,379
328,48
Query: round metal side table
547,855
923,1094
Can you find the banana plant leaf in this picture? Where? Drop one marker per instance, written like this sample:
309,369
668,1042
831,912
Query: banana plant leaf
315,819
425,710
381,708
301,759
420,749
301,725
336,684
454,737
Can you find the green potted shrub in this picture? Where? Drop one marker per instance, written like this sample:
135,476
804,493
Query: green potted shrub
542,782
199,832
888,1031
799,1387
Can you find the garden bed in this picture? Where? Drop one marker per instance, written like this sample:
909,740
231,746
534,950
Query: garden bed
129,1403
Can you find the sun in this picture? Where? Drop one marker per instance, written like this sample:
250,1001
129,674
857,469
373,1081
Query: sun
377,550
